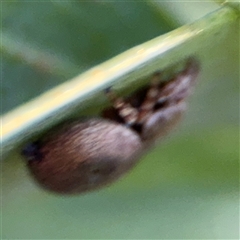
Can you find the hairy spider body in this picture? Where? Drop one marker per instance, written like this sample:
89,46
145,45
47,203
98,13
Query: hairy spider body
87,154
84,154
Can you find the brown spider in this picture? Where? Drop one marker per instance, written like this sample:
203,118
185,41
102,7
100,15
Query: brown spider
90,153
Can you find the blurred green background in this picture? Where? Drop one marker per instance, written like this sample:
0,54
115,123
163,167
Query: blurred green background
187,188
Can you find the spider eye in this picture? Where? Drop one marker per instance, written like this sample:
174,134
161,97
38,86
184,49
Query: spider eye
137,127
160,104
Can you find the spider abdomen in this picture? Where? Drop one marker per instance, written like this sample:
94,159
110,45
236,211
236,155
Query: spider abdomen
84,155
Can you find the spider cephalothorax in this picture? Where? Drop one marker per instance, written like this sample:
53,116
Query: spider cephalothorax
83,155
154,110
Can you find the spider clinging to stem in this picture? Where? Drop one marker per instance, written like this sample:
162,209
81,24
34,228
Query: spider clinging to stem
89,153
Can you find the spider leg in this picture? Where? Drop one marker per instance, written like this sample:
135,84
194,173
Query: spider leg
128,113
161,95
180,87
170,104
150,100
